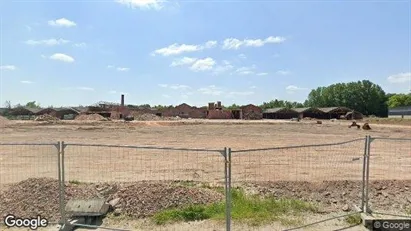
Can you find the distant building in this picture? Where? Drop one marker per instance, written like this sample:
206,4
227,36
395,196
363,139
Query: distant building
399,112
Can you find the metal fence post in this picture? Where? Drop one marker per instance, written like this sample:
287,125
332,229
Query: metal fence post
227,173
367,179
364,166
63,184
61,208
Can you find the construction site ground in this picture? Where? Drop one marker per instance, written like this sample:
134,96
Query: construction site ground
327,175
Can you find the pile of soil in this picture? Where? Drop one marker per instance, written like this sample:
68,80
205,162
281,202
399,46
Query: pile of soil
91,117
337,196
36,196
46,117
147,117
4,122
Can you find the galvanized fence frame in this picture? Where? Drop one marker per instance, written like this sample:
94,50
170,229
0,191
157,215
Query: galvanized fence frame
227,157
225,153
364,181
371,163
57,145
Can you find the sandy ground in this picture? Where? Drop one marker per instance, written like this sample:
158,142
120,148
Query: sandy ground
197,153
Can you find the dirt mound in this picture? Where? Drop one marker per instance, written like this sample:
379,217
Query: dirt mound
4,122
336,196
39,196
144,199
91,117
366,126
147,117
354,124
46,117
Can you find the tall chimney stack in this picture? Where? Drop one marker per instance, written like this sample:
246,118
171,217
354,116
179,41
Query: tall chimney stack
122,100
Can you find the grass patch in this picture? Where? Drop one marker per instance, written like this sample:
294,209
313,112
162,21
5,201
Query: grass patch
74,182
252,210
354,219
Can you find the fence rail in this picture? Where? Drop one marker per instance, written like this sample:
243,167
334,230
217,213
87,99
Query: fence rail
363,168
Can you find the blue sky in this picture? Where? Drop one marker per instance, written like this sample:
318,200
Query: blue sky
169,52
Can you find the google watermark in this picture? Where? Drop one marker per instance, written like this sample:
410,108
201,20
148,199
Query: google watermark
391,225
32,223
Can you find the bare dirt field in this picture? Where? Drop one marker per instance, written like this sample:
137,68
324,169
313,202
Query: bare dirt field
260,160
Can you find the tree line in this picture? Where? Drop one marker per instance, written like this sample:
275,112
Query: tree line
363,96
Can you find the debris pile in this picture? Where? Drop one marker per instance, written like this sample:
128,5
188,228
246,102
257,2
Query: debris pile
354,124
253,116
336,196
91,117
366,126
46,117
40,196
319,122
4,122
143,199
147,117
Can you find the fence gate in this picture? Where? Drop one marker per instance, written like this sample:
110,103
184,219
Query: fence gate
389,186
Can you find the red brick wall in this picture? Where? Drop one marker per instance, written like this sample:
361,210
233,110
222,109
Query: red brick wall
219,114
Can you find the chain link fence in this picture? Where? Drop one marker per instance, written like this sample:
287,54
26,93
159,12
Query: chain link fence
327,176
28,167
336,180
389,179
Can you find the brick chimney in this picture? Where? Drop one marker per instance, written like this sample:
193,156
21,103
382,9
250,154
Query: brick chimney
122,100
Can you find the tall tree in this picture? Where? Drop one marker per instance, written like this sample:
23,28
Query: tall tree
399,100
363,96
32,104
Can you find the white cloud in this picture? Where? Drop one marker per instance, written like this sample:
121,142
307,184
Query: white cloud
262,74
234,44
8,67
245,70
253,87
122,69
400,78
241,93
203,64
166,96
282,72
242,56
175,86
62,57
183,61
176,49
291,89
62,22
210,44
80,45
26,82
47,42
85,88
143,4
211,90
225,66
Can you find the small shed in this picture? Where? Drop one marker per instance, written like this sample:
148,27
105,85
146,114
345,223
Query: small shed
280,113
334,112
251,112
311,112
66,113
400,112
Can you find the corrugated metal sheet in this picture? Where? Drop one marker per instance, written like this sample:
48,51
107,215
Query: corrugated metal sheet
400,111
330,109
274,110
302,109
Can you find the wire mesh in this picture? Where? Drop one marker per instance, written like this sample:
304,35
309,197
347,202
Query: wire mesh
390,176
29,180
146,180
329,176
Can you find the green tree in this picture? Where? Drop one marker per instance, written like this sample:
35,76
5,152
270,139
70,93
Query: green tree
280,103
32,104
233,106
363,96
399,100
